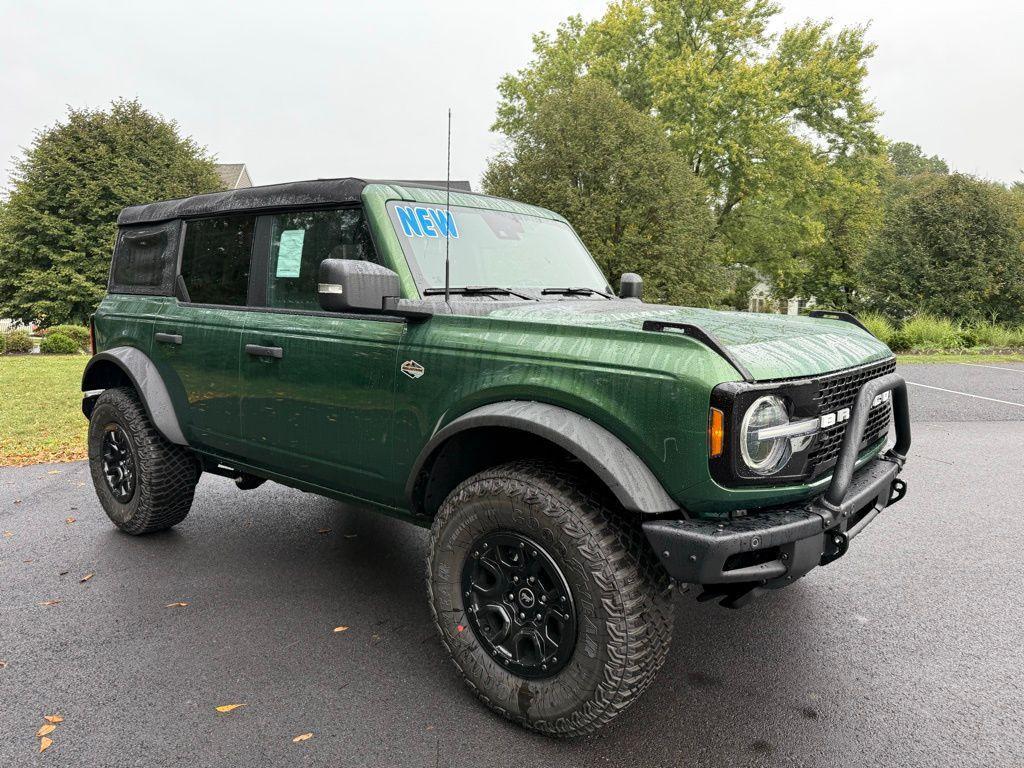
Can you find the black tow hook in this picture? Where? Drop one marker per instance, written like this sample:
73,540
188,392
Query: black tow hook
836,544
897,491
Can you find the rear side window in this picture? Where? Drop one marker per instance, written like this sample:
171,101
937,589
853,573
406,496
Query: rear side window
145,259
215,259
300,241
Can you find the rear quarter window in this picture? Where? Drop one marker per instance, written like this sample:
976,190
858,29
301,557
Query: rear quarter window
145,260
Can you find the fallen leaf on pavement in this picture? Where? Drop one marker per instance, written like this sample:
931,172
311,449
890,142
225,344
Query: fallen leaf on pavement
302,737
86,578
8,534
44,743
228,707
175,605
43,730
53,472
2,663
324,530
49,602
53,719
340,629
17,501
69,520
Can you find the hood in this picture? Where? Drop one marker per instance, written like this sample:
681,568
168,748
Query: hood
770,346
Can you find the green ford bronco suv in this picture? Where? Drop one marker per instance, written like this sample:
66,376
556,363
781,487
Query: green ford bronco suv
574,453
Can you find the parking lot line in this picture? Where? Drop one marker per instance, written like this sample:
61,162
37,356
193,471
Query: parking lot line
993,367
967,394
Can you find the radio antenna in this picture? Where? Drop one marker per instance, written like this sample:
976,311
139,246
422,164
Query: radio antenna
448,212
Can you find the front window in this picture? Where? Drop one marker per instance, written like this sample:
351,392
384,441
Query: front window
492,248
300,241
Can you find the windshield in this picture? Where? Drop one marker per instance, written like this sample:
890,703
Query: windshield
492,248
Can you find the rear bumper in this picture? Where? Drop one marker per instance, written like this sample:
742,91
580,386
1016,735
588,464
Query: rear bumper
774,547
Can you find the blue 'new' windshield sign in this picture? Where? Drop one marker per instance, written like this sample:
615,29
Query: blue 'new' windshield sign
417,221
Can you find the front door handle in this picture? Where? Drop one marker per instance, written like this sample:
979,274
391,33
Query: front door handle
168,338
258,351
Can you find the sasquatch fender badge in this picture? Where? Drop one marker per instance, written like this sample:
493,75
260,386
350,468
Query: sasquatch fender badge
412,369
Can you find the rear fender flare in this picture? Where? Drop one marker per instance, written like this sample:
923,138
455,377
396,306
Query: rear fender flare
145,378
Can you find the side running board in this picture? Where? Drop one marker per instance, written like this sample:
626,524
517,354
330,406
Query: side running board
705,338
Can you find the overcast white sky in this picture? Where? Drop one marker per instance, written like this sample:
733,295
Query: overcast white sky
318,89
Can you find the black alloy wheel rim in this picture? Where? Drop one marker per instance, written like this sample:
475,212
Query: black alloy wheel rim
519,605
119,463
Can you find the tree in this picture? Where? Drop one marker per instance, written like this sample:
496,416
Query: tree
57,227
909,160
951,247
586,153
769,122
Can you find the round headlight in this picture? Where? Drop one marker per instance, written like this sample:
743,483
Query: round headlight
765,456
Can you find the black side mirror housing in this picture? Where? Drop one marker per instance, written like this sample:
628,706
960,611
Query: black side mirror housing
631,286
350,285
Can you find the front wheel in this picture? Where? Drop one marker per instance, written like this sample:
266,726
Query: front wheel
553,608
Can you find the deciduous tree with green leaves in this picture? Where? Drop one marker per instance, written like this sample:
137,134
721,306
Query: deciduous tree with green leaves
950,247
773,123
910,160
57,227
588,154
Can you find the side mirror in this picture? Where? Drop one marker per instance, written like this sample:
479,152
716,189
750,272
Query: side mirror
348,285
631,286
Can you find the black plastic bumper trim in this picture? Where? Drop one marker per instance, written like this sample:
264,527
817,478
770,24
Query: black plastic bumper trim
696,551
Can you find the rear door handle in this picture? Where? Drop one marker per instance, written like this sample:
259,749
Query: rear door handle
168,338
257,351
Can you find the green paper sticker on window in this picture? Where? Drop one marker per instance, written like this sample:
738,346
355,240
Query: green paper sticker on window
289,252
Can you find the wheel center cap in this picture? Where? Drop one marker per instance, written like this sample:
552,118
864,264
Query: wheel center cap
526,598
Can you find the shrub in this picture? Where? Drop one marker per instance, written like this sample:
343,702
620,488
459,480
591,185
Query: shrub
59,344
880,326
989,334
927,332
78,333
18,341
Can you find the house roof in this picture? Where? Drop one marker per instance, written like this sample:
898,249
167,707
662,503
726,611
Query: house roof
231,174
295,194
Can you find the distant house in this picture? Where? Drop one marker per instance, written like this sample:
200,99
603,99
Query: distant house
234,175
761,300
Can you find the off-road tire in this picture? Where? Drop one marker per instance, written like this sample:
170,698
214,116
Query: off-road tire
622,596
166,473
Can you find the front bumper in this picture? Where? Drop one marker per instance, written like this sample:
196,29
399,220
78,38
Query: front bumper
767,549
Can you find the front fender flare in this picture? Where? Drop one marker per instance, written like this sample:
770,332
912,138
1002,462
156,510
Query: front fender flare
614,462
144,376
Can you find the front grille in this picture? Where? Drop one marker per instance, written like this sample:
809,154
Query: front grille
837,391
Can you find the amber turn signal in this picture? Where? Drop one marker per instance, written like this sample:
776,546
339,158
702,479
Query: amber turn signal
716,433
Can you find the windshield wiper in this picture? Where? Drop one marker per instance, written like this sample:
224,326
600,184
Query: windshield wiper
576,292
469,290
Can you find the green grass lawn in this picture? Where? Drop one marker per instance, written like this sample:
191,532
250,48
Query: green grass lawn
41,409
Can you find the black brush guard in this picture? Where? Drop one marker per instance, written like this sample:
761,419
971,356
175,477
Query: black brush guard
737,558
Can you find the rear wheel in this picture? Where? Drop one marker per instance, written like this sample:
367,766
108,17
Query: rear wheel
144,482
552,606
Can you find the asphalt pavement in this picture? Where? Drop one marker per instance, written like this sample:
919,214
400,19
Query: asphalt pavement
907,652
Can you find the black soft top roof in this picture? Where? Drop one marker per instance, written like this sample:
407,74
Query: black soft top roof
294,194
